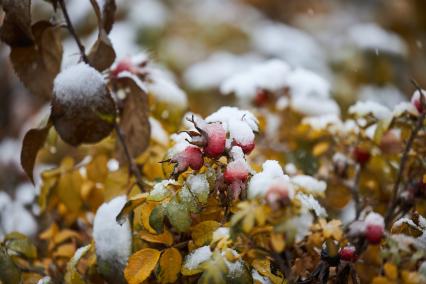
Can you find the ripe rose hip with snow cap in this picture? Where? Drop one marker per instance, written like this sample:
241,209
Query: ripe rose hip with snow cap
375,228
82,108
242,135
417,101
123,65
190,157
348,253
279,193
216,140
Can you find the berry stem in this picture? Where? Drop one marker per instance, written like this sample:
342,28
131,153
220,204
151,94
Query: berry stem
394,203
72,31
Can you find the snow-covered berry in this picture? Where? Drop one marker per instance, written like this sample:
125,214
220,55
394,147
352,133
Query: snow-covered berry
348,253
278,194
216,140
123,65
190,157
375,228
236,170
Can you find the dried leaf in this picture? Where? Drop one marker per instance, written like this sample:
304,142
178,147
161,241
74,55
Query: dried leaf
202,233
134,119
33,141
97,170
102,54
105,14
140,265
72,275
131,204
164,238
37,65
16,28
170,264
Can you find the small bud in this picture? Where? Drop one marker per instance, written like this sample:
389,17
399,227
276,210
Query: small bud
361,155
416,100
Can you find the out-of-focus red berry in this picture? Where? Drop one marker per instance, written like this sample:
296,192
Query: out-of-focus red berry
348,253
374,233
361,155
261,98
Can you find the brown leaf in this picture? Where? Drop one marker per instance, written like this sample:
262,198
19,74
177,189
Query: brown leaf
102,54
170,265
105,14
37,65
33,141
16,29
131,204
134,120
140,265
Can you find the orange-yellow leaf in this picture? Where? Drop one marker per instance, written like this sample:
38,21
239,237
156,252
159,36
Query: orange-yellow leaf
170,264
140,265
164,238
202,232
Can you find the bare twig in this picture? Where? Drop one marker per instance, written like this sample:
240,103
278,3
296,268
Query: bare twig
72,31
355,191
395,192
131,163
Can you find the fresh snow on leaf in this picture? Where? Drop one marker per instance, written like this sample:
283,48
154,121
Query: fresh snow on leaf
79,84
198,256
226,114
369,107
310,203
309,184
113,242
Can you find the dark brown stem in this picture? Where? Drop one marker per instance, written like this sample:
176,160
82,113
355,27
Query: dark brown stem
394,203
131,163
355,191
72,31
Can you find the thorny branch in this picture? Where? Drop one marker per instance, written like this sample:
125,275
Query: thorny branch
395,192
72,31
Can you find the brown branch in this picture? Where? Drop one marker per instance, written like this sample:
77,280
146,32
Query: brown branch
133,168
72,31
355,191
418,126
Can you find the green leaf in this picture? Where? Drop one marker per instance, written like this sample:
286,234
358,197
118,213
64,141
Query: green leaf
9,272
156,219
178,216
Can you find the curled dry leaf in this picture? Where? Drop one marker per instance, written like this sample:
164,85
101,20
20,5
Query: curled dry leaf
131,204
102,54
165,237
38,64
33,141
140,265
16,28
170,264
134,119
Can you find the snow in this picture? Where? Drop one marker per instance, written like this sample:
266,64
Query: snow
370,36
309,184
221,233
261,182
374,218
180,140
369,107
199,186
290,44
313,106
149,14
198,256
300,225
14,217
322,122
113,242
8,149
270,75
166,90
388,95
25,193
79,84
160,190
310,203
290,169
158,133
257,278
404,107
241,132
113,165
226,114
303,82
45,280
215,69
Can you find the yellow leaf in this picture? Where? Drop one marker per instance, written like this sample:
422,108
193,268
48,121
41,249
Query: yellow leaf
277,242
72,275
165,238
380,280
140,265
320,148
146,210
202,233
391,271
170,264
131,204
65,235
66,250
97,170
69,185
263,266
